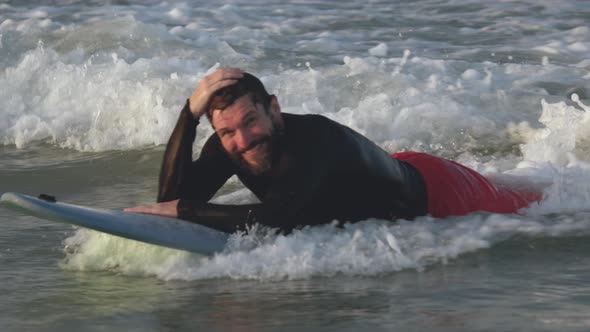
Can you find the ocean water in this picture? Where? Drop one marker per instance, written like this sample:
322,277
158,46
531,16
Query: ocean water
90,91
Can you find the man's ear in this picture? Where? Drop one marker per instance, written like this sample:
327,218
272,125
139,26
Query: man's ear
275,108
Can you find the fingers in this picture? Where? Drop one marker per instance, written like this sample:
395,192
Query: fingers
145,209
224,74
140,209
168,209
210,84
223,77
216,86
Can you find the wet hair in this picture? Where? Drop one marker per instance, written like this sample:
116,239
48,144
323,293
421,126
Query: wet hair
247,85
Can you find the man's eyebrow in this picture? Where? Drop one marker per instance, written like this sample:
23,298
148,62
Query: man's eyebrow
251,110
250,113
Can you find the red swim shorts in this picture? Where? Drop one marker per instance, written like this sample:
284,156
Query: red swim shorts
454,189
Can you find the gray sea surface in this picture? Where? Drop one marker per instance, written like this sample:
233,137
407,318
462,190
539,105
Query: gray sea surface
90,92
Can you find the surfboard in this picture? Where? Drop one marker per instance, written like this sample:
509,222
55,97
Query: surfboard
161,231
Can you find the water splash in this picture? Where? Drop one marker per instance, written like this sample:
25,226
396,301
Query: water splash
369,248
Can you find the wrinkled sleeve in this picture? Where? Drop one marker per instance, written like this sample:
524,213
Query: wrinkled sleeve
183,178
225,218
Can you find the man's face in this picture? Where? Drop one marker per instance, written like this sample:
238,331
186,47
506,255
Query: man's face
248,133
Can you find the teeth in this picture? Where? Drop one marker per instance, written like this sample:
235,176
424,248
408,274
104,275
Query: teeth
254,148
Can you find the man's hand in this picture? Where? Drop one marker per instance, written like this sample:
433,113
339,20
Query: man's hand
201,97
166,209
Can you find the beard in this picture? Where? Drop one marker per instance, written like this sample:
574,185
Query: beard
259,157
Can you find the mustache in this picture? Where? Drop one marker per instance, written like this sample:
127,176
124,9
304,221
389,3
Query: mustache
261,140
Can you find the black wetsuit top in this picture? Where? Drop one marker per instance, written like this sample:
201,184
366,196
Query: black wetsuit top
326,172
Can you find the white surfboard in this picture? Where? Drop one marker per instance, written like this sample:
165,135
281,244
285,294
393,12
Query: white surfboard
162,231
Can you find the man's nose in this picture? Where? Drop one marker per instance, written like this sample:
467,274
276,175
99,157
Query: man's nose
243,139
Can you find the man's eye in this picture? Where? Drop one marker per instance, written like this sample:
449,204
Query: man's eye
250,121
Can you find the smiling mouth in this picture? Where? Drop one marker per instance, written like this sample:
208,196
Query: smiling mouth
254,148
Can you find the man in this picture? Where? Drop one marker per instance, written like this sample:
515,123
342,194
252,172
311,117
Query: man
305,169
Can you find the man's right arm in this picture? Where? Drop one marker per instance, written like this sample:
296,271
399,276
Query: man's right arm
183,178
176,164
180,177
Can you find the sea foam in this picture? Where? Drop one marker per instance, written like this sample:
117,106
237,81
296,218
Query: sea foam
369,248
